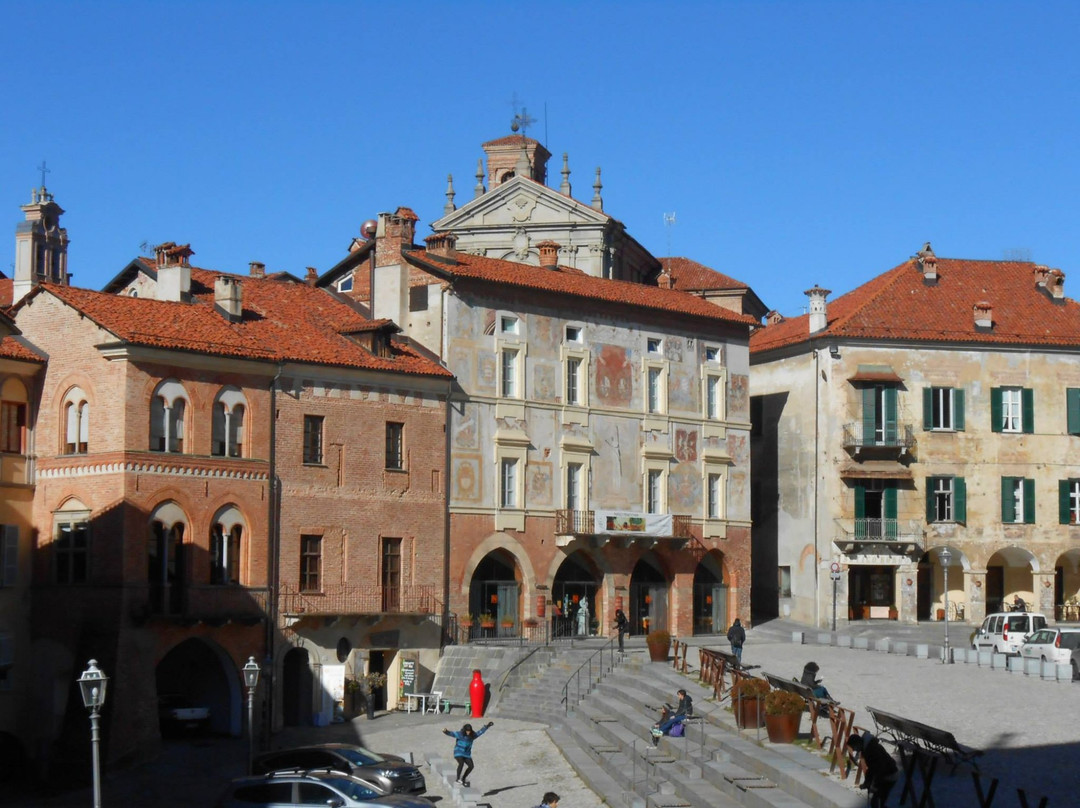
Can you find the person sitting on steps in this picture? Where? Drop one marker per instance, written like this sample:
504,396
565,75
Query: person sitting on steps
673,715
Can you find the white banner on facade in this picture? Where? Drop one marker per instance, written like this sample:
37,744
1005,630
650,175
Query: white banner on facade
633,523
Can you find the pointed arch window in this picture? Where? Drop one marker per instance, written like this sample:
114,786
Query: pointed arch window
227,430
165,559
167,415
226,543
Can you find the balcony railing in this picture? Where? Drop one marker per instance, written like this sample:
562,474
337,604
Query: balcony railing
199,602
891,436
583,523
360,599
891,535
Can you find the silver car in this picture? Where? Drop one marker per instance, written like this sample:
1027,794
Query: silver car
1053,645
323,787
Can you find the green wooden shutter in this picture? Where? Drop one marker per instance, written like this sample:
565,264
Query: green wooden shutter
959,500
928,408
931,512
869,415
890,511
860,510
995,409
889,416
1072,410
1027,404
1063,502
1008,505
1029,502
958,410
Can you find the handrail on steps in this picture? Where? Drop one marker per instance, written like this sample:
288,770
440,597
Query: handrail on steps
602,669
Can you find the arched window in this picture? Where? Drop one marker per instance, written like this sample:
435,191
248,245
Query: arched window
228,424
167,410
226,537
76,422
165,558
13,417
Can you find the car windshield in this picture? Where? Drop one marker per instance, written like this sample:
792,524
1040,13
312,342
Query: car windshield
351,788
1070,639
359,756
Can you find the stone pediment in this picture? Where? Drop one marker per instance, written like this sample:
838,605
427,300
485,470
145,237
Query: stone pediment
517,203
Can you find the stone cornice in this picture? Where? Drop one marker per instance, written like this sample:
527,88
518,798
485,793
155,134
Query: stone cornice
169,465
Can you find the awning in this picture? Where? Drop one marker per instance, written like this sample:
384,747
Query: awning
876,470
875,373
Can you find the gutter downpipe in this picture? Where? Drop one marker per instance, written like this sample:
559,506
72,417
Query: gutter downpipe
817,485
273,546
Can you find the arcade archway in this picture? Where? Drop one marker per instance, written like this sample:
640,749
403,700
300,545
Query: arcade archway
648,598
574,589
710,596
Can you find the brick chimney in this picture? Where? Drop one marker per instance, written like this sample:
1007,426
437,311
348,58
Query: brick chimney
665,280
549,254
774,317
819,319
312,276
395,232
173,271
984,315
442,245
1055,282
1040,272
927,264
227,298
257,269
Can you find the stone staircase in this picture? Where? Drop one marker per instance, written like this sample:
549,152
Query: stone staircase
606,739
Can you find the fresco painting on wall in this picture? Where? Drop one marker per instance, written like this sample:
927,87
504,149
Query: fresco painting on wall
685,490
686,445
738,448
467,484
465,429
543,333
739,395
485,371
538,485
461,365
545,388
614,381
681,388
614,482
673,349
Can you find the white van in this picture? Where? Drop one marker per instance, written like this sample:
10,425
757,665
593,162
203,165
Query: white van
1005,632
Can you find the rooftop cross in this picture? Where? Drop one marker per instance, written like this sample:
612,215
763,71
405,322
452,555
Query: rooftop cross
521,119
43,171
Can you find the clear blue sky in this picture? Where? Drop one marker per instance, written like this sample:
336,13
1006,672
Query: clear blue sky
797,142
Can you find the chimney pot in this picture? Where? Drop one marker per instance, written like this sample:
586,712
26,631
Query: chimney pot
1040,272
1055,282
984,314
312,276
819,319
442,245
227,298
549,254
257,269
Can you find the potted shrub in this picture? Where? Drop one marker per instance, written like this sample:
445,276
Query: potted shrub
659,641
507,622
783,714
747,697
531,622
487,620
369,683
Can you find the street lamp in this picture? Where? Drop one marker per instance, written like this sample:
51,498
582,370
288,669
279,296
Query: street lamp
92,685
251,679
945,556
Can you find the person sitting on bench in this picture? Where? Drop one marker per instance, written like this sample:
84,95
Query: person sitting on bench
673,715
881,771
809,678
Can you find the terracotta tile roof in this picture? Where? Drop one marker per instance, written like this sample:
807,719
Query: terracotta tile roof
690,275
574,283
283,321
510,140
15,347
898,305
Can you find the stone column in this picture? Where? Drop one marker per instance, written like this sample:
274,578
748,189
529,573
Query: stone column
975,580
1043,583
907,600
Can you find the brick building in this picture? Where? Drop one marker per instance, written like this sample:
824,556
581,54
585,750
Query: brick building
225,467
934,407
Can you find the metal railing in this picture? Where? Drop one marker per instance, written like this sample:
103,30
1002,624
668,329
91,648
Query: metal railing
583,523
874,530
360,599
590,673
891,435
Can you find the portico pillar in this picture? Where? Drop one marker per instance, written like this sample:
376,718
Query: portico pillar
975,581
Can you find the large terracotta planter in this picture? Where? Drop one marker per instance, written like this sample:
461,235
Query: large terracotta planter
749,713
783,728
658,651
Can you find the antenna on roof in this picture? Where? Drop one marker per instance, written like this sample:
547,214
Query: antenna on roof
146,248
1016,254
521,120
669,222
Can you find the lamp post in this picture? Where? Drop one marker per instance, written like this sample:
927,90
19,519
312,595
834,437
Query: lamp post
92,685
251,680
946,557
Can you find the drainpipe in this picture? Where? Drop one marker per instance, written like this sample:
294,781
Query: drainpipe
446,514
817,481
273,546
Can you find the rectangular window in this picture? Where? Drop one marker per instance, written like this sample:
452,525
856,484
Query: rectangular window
943,409
784,581
654,346
395,458
1012,409
879,427
654,501
418,298
1017,500
943,499
573,486
313,440
712,353
714,391
345,284
573,380
1069,502
391,574
574,334
12,426
715,496
508,482
509,368
508,325
654,389
310,563
71,552
9,555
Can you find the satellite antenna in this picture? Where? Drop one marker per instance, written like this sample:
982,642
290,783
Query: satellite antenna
669,222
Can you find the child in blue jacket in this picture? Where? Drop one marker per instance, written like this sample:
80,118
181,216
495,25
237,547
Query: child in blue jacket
463,749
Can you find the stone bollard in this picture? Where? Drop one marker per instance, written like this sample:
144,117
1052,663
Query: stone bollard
1032,667
1015,664
998,661
899,648
1048,671
824,639
882,645
861,644
843,641
797,637
1064,672
922,650
986,658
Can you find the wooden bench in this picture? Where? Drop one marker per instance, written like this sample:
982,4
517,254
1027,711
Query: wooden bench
720,671
922,746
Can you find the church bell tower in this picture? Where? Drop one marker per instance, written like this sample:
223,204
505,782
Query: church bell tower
40,245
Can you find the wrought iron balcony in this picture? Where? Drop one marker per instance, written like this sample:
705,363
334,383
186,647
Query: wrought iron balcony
583,523
359,599
879,536
891,436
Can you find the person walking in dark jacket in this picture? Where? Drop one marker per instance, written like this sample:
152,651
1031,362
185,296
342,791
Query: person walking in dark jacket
621,625
881,771
463,742
737,636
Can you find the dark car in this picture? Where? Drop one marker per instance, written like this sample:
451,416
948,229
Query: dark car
312,788
391,773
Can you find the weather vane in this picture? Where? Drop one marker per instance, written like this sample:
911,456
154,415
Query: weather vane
43,171
521,120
